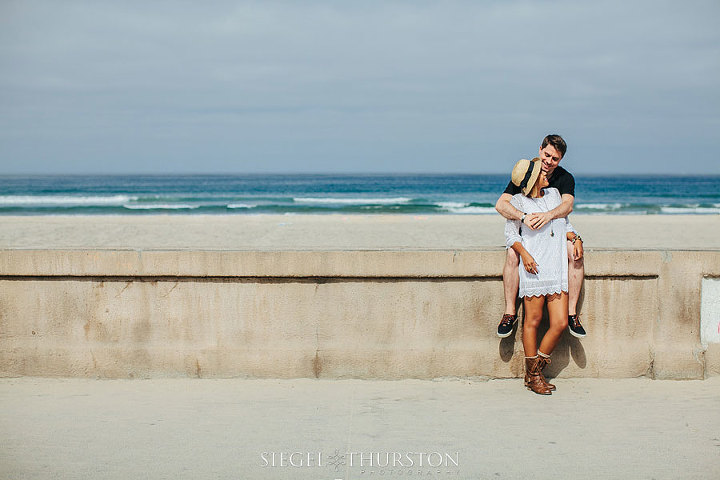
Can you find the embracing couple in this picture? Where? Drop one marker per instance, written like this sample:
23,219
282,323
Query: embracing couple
544,262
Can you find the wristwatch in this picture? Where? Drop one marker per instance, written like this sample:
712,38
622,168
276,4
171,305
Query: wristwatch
522,220
577,237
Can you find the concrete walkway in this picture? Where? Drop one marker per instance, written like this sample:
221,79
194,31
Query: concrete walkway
349,429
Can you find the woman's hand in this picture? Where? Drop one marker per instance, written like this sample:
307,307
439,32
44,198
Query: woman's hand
578,249
529,264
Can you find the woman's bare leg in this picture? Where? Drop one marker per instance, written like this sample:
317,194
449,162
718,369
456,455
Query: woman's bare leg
533,374
533,315
558,311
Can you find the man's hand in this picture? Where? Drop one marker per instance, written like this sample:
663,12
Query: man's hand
538,220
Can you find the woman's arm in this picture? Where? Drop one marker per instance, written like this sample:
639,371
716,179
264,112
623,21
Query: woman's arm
512,225
513,240
527,260
512,233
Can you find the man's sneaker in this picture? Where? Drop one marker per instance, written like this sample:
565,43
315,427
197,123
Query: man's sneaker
576,330
506,325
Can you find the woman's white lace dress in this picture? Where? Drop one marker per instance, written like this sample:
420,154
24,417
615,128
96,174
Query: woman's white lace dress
547,245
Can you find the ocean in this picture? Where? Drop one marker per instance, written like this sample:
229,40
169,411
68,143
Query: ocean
335,193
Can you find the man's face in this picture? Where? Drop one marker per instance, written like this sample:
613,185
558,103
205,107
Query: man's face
550,158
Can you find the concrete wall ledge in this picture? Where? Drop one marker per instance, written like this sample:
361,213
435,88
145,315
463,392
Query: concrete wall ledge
351,263
335,314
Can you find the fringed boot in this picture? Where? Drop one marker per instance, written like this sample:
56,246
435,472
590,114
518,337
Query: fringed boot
543,361
533,376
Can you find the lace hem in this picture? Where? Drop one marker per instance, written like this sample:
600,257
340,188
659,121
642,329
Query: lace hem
535,292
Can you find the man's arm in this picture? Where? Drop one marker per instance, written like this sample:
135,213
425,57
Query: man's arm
537,220
505,208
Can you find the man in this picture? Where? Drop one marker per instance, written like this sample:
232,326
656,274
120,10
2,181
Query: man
552,150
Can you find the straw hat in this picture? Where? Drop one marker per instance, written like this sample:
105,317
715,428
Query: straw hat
525,173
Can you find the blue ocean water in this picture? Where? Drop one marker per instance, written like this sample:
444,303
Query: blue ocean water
346,194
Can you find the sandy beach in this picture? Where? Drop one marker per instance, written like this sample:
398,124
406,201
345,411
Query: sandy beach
341,232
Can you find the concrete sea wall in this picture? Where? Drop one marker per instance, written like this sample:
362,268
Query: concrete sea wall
340,314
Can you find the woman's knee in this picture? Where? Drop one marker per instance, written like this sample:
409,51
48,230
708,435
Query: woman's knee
559,324
532,321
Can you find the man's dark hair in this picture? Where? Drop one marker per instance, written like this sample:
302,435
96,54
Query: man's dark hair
557,142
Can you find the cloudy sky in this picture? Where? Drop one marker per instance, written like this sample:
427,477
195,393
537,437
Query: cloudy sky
357,86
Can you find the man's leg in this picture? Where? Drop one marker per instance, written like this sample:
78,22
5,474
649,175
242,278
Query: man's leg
511,283
576,274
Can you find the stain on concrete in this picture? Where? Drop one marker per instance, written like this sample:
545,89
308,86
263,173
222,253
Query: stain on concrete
317,364
127,285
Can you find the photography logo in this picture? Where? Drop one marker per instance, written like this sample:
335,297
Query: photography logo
367,463
336,460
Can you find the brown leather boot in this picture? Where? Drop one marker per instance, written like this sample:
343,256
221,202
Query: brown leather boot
532,377
542,363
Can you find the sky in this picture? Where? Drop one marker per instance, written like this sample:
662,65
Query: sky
357,86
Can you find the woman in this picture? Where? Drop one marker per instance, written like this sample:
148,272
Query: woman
544,268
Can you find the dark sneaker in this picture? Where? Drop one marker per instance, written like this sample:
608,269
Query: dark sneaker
576,330
506,325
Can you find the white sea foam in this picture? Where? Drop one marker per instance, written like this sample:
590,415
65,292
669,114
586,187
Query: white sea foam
352,201
460,207
600,206
380,207
241,205
449,205
475,210
685,210
63,200
160,206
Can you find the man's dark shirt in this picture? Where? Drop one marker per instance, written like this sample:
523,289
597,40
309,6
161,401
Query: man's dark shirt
560,179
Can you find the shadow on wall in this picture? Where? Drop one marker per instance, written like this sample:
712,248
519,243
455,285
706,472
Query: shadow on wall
568,347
